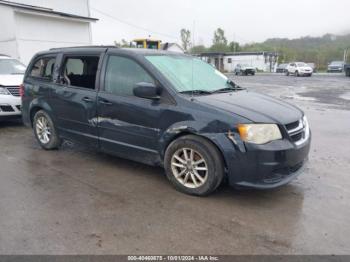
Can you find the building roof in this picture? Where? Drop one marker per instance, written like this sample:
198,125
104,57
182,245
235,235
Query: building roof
208,54
45,10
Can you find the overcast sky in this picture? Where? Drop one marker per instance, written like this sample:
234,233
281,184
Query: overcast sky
243,21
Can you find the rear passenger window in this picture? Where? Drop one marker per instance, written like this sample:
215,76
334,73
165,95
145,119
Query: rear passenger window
123,74
80,71
43,68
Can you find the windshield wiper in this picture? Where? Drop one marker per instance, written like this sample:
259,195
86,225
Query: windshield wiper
232,88
227,89
196,92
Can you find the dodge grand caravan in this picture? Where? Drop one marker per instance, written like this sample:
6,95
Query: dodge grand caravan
166,109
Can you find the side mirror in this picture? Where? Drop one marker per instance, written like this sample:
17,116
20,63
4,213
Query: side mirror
147,90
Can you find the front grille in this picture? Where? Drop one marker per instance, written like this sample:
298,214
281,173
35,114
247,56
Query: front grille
280,173
14,90
297,137
6,109
292,125
298,131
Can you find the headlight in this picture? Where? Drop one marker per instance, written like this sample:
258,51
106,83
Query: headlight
259,133
4,91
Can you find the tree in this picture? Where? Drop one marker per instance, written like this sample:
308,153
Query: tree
234,47
198,49
185,38
219,37
123,43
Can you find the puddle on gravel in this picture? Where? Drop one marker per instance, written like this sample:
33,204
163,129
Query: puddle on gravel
345,96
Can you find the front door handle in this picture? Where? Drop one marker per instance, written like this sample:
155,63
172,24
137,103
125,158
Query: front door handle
105,102
88,100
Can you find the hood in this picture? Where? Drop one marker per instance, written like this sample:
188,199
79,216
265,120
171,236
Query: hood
305,68
253,106
11,80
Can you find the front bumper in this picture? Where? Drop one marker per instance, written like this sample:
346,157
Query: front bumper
335,70
10,106
265,166
306,73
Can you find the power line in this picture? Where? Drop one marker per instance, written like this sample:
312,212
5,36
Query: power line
133,25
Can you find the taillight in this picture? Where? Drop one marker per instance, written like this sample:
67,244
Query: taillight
21,90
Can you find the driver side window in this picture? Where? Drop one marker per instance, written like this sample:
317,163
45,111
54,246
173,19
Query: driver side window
122,74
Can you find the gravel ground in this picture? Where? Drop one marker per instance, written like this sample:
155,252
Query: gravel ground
74,201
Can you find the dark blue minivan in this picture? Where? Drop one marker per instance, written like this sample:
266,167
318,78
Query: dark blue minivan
167,109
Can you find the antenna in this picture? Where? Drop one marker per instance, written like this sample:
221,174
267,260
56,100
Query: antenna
193,44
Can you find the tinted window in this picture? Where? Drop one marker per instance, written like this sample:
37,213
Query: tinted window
43,68
80,71
123,74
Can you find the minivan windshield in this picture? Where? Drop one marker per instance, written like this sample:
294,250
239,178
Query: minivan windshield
11,67
189,74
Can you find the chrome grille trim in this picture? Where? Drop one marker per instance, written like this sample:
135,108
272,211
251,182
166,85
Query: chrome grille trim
302,132
14,90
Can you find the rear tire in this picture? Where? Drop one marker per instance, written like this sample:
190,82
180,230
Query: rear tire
287,73
45,131
182,171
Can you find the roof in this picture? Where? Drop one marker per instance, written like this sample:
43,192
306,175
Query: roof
102,48
236,53
45,10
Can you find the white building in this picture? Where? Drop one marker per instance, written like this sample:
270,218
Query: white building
226,62
29,26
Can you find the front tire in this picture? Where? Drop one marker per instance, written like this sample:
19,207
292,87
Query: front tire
296,73
194,165
45,131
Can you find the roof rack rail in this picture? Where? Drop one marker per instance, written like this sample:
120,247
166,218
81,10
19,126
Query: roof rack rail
86,46
4,55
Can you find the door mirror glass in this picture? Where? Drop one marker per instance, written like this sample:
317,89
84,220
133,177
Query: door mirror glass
147,90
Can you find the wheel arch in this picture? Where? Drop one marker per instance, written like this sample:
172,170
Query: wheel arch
194,133
36,106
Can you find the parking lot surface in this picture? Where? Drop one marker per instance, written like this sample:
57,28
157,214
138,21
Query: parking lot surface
76,201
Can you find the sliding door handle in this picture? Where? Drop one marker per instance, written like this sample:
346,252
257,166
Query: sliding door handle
88,100
105,102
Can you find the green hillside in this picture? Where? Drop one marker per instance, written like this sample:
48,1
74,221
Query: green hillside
319,50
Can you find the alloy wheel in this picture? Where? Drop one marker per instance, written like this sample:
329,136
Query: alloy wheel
43,130
189,167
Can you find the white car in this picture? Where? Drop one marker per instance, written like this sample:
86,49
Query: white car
11,77
299,69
